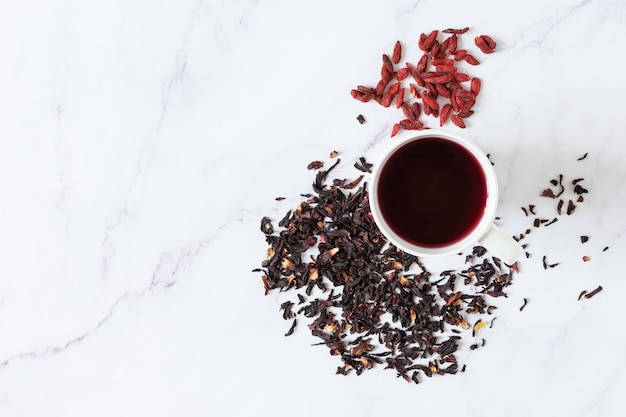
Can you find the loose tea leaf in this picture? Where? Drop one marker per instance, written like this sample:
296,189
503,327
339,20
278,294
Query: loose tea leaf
524,305
266,226
570,207
584,239
315,165
363,166
292,328
547,265
594,292
580,190
551,222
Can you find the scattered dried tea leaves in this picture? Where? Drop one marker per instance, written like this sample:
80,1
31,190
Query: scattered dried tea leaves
547,265
361,118
570,207
524,305
584,239
585,294
354,278
372,304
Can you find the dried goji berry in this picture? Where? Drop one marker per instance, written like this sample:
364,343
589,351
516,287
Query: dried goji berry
407,124
387,63
445,113
414,91
434,50
397,52
380,87
408,113
385,74
430,40
452,45
460,54
430,101
471,60
446,68
364,97
464,94
442,79
456,31
475,86
400,98
460,77
417,110
422,63
390,94
457,121
442,90
488,44
443,61
367,90
420,42
443,48
395,129
489,41
482,45
463,113
402,74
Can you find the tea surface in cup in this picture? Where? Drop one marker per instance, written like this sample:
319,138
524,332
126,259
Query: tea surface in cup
432,192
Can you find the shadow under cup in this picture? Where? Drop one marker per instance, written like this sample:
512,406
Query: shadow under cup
433,193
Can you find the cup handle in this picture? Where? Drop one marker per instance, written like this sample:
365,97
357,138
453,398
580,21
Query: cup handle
496,241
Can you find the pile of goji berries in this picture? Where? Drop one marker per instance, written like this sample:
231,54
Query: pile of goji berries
436,85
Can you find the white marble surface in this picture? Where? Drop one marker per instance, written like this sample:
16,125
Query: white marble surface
142,141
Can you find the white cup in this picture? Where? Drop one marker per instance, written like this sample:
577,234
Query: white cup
483,230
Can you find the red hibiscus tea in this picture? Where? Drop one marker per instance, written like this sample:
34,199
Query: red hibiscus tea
432,192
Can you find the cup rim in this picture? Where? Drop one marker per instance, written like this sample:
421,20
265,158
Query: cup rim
490,207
